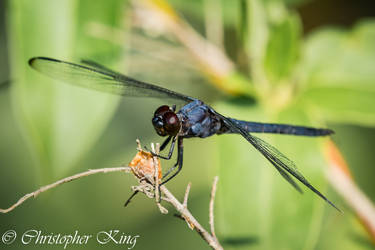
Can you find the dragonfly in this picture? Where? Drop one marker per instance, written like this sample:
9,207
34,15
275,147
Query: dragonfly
193,119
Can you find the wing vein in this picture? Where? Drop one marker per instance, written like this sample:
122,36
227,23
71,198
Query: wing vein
97,77
284,166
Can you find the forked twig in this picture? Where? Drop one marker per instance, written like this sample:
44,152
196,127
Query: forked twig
190,219
145,166
142,165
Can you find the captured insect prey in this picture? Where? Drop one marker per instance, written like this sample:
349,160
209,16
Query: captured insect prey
194,119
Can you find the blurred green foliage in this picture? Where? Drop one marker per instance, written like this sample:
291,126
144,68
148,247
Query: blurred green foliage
49,131
44,110
326,77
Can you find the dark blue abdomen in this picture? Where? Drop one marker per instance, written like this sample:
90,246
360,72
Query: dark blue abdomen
274,128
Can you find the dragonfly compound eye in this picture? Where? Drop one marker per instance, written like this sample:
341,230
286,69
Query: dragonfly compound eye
161,110
158,123
172,124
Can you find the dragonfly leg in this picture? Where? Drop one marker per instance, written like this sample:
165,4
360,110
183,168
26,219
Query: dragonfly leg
129,199
165,143
178,163
171,149
159,198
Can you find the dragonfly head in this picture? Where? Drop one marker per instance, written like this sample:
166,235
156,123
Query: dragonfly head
165,121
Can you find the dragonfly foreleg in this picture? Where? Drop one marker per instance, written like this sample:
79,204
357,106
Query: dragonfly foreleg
171,149
165,143
177,164
129,199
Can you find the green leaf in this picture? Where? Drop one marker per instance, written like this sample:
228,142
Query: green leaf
282,48
338,74
334,57
339,58
60,122
257,34
342,105
273,41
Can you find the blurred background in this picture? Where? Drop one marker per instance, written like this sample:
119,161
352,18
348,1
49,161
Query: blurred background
291,61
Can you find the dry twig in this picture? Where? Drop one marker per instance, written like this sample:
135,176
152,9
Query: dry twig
185,213
181,208
62,181
211,211
187,194
146,168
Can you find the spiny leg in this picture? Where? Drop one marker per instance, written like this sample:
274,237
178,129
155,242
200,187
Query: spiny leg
178,163
171,149
129,199
165,143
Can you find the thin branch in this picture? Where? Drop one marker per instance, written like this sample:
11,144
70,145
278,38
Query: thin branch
156,171
170,198
156,149
185,213
62,181
187,194
140,167
186,197
211,210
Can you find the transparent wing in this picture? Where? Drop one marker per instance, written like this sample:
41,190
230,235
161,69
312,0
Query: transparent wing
285,166
97,77
98,66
